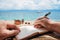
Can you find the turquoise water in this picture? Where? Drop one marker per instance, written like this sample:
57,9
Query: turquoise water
28,14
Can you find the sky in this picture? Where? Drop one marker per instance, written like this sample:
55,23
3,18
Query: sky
29,4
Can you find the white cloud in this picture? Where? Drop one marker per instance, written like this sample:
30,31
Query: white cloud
29,4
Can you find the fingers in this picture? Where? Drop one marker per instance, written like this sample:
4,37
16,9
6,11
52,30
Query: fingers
38,24
12,33
12,27
8,33
5,32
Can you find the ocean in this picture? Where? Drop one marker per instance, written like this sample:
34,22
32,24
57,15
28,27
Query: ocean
28,14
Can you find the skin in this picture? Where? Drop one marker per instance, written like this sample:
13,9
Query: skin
7,30
47,24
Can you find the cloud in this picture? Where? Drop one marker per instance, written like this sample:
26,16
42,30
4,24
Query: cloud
29,4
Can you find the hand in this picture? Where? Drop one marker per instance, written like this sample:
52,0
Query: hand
7,30
38,24
43,22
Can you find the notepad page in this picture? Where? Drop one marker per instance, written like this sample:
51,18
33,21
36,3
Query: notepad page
26,31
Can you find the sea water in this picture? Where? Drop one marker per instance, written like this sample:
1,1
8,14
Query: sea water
28,14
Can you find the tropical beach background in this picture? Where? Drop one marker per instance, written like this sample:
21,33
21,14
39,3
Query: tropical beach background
29,11
28,15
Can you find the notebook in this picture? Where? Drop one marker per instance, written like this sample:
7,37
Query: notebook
27,30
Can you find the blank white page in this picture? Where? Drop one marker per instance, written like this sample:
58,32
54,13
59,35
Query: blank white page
26,31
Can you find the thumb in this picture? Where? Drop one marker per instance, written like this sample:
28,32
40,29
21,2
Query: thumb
10,33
